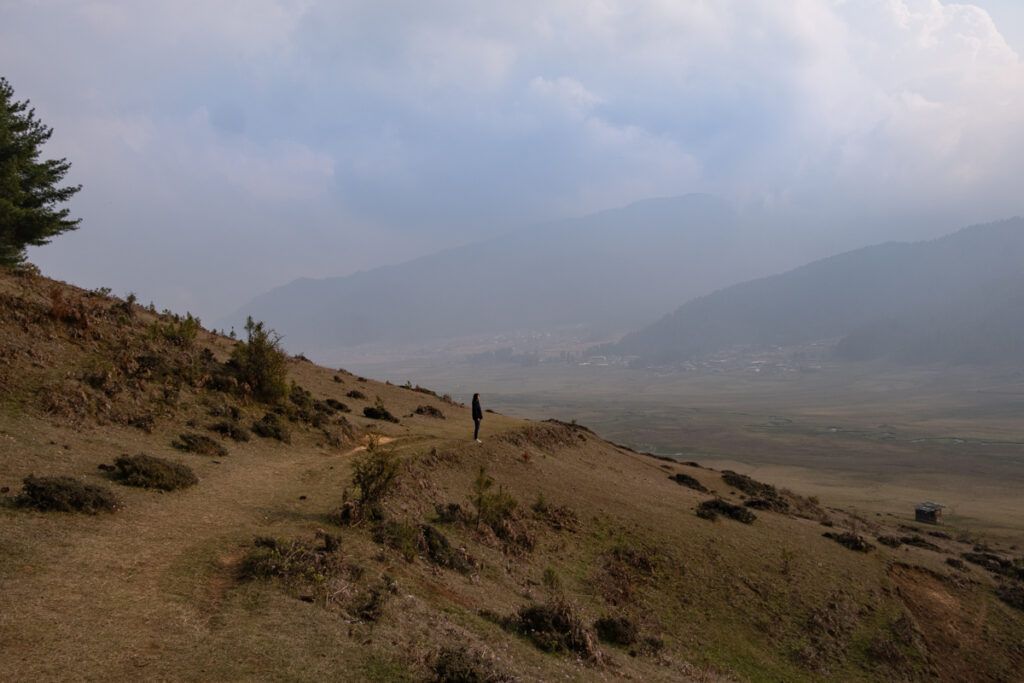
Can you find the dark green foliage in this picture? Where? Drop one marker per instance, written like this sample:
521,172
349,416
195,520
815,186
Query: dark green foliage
450,513
621,631
65,494
554,627
357,395
30,189
429,411
198,443
230,429
270,427
850,540
379,412
259,363
710,509
461,665
687,480
771,504
150,472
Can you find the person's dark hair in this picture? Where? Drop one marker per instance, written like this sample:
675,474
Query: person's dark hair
476,396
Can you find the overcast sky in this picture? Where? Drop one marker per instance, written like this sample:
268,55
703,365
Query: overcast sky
228,147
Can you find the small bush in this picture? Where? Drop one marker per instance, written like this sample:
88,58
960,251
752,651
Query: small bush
379,412
439,551
461,665
920,542
710,509
149,472
687,480
770,504
399,536
230,429
374,476
177,331
621,631
429,411
451,513
749,486
555,627
260,364
850,540
357,395
65,494
270,427
291,560
337,405
890,541
956,563
371,607
199,443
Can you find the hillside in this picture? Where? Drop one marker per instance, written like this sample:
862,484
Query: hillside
606,272
957,299
545,553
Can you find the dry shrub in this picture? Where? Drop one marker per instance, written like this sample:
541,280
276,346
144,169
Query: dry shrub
558,517
711,509
150,472
620,630
374,477
439,551
458,664
891,541
919,542
379,412
688,481
555,627
65,494
1012,594
850,540
200,444
356,394
230,429
69,310
399,536
337,405
429,411
270,427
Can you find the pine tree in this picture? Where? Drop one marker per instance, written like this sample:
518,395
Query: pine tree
30,191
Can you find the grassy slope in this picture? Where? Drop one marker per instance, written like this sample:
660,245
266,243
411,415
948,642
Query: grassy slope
152,591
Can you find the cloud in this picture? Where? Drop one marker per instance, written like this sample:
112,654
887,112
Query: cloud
338,135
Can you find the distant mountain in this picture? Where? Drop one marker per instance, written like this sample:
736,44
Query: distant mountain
608,272
956,299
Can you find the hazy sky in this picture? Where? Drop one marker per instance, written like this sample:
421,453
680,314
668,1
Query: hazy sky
227,147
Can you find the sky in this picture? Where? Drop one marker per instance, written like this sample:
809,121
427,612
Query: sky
227,147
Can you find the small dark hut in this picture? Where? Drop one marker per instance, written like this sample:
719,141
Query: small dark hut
929,513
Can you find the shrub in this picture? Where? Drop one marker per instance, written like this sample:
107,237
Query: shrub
379,412
260,364
554,627
687,480
461,665
374,475
230,429
450,513
429,411
890,541
439,551
357,395
710,509
294,560
920,542
617,630
751,487
372,606
337,405
398,535
1012,595
198,443
177,331
270,427
65,494
149,472
850,540
771,504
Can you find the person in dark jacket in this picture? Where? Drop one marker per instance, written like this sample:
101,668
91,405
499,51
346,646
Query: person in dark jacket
478,414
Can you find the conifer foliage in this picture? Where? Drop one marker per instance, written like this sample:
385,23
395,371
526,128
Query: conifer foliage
30,187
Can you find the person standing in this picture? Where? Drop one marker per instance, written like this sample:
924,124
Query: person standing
478,415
